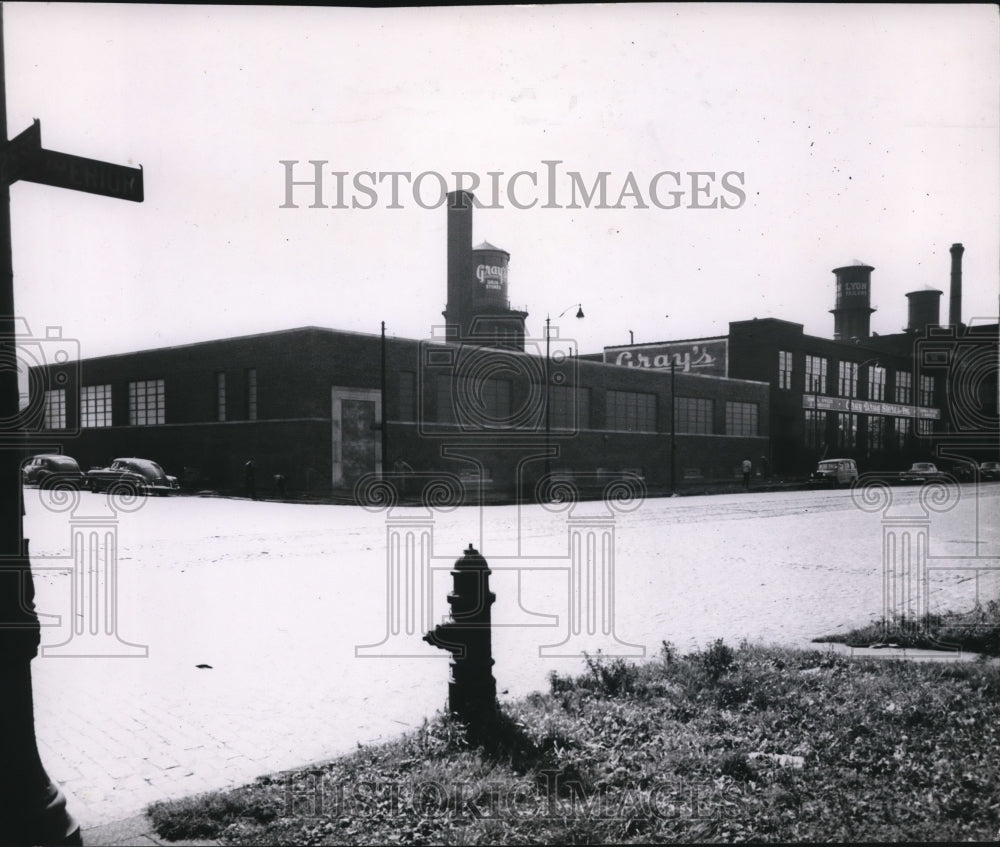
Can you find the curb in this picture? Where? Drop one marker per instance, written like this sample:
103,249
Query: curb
136,831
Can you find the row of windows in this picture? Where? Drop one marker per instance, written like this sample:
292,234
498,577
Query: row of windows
847,380
146,403
487,402
882,432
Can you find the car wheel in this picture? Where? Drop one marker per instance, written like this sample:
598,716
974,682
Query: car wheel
123,489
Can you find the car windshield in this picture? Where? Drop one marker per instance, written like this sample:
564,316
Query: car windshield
922,466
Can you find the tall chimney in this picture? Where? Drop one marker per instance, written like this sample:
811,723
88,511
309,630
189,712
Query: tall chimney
955,302
459,259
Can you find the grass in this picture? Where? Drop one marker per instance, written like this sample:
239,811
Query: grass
724,744
976,631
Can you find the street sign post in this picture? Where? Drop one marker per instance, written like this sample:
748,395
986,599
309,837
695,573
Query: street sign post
32,808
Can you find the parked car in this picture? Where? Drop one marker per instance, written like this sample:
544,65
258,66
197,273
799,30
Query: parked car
138,476
52,470
921,472
835,472
989,470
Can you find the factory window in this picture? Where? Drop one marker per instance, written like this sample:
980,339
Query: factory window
815,428
251,375
220,396
631,411
694,415
847,430
479,403
146,402
876,382
926,391
847,379
902,428
95,405
925,426
876,432
784,369
904,387
55,409
815,375
407,396
741,418
570,407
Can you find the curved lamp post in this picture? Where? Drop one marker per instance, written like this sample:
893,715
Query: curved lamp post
548,384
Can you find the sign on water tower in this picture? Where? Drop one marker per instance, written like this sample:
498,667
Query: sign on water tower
489,266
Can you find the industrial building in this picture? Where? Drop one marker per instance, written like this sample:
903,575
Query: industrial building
470,406
926,393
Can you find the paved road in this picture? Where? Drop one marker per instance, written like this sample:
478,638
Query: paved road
275,597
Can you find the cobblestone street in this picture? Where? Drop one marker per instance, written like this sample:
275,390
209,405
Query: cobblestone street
252,613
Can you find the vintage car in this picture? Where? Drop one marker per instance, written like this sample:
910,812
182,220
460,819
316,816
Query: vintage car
921,472
52,470
989,470
133,476
835,472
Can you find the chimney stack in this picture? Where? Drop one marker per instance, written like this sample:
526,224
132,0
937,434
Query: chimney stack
955,301
459,260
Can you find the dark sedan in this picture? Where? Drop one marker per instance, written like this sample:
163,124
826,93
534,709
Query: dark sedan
52,470
133,476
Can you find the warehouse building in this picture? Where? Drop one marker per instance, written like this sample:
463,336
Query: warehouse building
326,409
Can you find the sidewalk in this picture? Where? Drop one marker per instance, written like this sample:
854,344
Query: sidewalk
132,832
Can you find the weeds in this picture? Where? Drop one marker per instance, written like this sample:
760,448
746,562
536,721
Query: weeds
721,745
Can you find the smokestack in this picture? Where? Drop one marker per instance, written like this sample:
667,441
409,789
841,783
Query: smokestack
955,301
459,258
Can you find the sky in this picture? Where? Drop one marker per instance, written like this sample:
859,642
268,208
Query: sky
819,136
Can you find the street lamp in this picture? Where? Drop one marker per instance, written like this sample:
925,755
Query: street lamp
548,367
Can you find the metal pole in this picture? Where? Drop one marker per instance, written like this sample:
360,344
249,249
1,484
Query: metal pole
32,808
385,409
673,430
548,417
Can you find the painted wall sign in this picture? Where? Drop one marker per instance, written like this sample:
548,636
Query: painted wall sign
868,407
707,356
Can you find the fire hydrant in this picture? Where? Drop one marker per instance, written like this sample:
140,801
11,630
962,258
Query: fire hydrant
472,690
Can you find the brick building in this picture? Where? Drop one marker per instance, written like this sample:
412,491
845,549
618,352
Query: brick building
309,404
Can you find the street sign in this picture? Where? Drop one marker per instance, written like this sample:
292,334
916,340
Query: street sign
63,170
17,152
23,157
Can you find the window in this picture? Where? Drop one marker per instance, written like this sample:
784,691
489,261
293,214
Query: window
847,379
631,411
904,387
251,394
407,396
926,391
55,409
145,402
220,396
876,432
741,418
847,430
570,407
902,429
925,426
479,402
876,382
815,375
694,415
815,428
95,405
784,369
